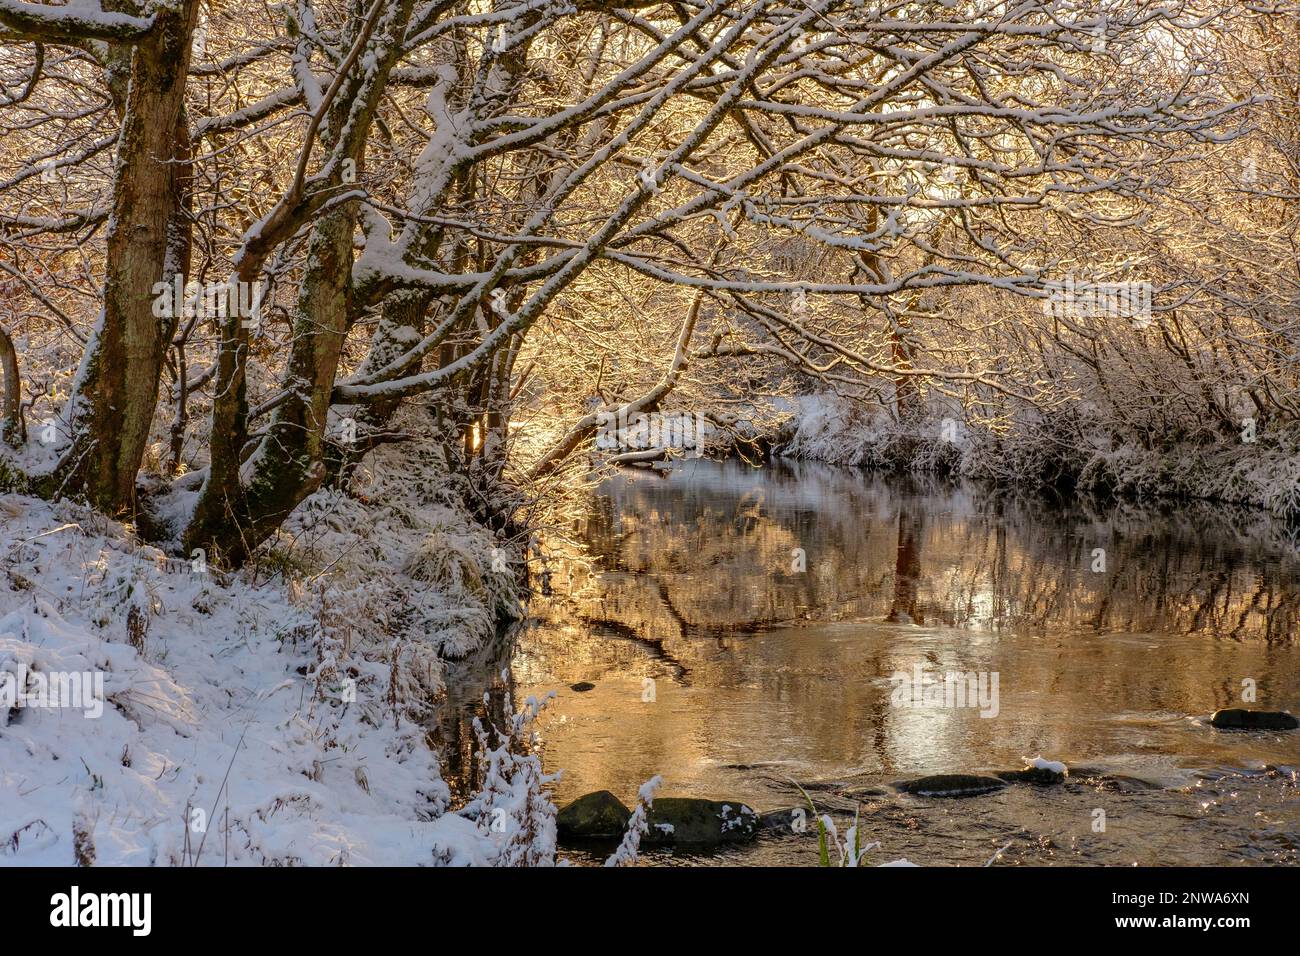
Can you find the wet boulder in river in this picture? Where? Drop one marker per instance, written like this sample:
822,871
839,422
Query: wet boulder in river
1111,782
1039,776
597,815
1238,718
690,820
950,785
862,793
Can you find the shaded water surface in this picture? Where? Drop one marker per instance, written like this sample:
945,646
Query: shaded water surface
741,627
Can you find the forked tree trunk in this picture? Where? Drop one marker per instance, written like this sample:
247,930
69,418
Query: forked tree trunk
243,501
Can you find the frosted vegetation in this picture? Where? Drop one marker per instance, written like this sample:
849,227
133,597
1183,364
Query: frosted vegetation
227,735
332,299
1053,449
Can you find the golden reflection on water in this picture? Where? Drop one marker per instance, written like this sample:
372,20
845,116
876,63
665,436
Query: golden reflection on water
740,627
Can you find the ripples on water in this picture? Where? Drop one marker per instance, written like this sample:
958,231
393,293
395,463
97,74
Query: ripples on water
762,672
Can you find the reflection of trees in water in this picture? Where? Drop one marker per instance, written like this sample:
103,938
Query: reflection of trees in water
687,573
907,567
715,553
476,686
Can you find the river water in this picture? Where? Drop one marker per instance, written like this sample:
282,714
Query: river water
741,627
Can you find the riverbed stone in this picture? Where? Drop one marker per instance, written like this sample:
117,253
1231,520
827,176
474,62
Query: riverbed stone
1038,776
950,785
594,816
692,820
1120,783
1238,718
863,793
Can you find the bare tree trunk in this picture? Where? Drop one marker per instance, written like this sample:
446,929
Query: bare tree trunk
236,513
401,321
116,390
907,397
290,461
12,428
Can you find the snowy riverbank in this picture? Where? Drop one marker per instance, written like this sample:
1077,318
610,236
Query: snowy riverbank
274,717
1261,470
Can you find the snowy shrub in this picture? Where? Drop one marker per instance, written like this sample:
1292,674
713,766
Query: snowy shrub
512,808
397,582
1064,447
838,431
637,825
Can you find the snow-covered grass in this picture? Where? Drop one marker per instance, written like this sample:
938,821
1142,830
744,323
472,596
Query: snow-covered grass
264,718
513,808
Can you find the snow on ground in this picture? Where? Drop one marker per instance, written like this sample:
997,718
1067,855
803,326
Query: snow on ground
237,726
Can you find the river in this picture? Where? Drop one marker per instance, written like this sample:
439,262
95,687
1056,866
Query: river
740,627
